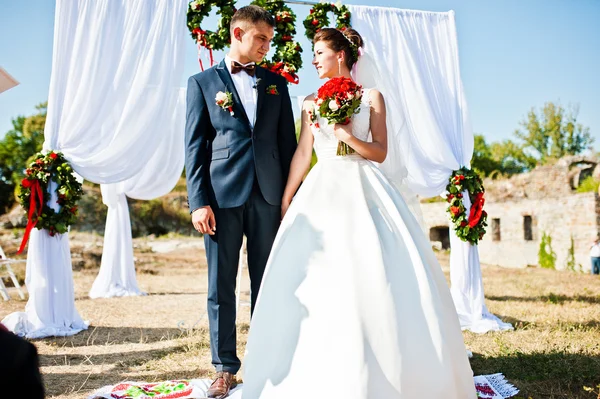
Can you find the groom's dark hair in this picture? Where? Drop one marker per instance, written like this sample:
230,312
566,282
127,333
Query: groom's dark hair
252,15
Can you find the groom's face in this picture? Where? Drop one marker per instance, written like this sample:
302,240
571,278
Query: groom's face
253,41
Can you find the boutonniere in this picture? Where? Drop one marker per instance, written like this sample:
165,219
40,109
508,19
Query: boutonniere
272,90
225,101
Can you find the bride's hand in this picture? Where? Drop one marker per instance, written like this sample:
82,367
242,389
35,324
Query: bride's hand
285,204
343,132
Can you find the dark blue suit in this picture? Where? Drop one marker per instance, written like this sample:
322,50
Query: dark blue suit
241,173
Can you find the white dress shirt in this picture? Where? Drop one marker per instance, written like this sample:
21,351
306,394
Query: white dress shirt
595,250
245,86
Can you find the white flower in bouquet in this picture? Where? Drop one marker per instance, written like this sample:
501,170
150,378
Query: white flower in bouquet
333,105
319,101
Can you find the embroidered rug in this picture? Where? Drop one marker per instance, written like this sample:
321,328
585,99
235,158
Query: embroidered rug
492,386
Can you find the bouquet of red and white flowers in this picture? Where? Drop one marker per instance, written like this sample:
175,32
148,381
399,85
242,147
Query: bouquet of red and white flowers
338,100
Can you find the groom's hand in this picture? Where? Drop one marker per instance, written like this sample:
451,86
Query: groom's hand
204,221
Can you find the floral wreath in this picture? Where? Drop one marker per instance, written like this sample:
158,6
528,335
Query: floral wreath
197,11
287,60
34,194
318,18
471,227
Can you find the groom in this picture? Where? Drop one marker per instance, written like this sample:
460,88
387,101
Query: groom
240,139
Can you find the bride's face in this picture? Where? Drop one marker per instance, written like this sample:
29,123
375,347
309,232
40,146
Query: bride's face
326,60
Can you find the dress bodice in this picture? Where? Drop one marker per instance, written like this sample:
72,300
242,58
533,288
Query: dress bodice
325,142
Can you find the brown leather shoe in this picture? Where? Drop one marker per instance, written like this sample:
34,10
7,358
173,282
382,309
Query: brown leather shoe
220,387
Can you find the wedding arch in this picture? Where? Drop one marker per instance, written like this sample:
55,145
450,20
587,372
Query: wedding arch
116,112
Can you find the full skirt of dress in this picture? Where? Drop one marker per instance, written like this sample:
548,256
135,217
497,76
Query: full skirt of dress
353,302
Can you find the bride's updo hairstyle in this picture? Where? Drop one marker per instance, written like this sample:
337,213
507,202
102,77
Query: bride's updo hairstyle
348,41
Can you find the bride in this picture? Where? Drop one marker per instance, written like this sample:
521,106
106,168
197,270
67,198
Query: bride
353,303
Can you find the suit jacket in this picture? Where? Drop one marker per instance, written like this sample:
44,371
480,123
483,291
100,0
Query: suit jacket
19,368
223,154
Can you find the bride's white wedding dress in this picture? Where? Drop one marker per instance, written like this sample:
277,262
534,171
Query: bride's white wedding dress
353,302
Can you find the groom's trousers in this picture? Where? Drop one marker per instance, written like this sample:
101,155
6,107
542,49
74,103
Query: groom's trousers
259,221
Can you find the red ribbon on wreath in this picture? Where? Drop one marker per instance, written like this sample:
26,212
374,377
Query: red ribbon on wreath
279,69
36,193
476,210
201,41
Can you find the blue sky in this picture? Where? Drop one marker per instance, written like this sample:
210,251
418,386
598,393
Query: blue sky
514,54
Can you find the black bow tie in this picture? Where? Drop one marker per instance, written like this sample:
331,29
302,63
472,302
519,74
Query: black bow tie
237,67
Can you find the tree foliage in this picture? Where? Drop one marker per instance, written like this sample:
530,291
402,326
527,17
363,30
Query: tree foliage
554,133
543,138
19,144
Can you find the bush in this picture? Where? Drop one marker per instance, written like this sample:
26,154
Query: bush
589,185
546,256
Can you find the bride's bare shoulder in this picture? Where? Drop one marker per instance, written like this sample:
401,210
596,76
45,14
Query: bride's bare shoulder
308,101
309,98
375,97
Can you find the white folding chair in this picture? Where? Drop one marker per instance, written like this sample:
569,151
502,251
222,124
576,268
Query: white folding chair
5,263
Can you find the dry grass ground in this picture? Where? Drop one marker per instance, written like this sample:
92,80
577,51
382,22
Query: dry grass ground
553,353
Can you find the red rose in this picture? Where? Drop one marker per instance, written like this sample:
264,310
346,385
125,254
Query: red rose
53,155
286,38
26,183
311,11
463,223
315,22
455,210
273,91
459,195
39,161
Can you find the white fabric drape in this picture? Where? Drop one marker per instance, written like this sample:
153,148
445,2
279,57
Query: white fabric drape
117,270
417,58
467,285
50,310
116,70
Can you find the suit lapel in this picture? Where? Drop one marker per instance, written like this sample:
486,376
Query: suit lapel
228,82
260,87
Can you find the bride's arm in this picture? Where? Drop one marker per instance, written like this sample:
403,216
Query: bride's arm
377,149
302,157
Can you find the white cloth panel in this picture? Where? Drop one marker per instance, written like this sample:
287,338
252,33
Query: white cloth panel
467,285
50,310
116,70
162,171
417,55
418,59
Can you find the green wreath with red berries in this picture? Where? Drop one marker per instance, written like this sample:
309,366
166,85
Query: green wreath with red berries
34,194
211,40
287,60
317,18
471,227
